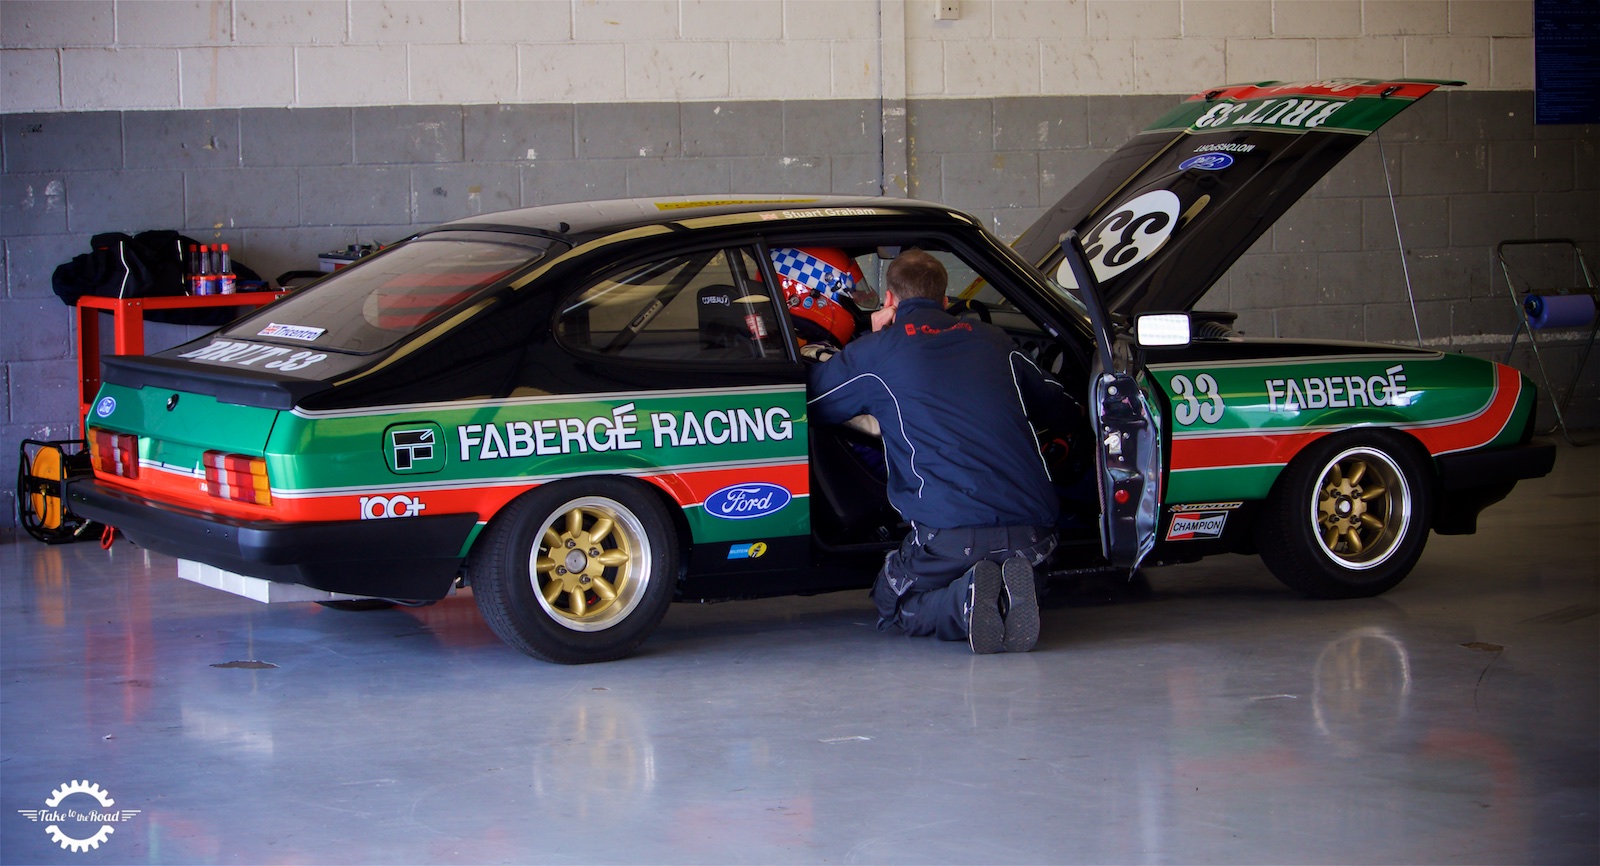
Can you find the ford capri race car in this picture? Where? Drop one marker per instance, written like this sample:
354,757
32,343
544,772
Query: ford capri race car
586,411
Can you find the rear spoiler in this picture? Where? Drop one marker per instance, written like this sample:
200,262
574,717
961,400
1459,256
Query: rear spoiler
257,388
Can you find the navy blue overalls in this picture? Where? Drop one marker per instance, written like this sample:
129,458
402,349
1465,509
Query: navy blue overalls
953,398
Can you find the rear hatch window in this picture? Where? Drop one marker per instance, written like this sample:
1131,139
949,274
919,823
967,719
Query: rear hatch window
373,304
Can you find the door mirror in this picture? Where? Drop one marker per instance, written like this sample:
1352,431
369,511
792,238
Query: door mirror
1162,329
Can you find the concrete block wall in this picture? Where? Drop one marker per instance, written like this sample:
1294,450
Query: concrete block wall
127,54
291,128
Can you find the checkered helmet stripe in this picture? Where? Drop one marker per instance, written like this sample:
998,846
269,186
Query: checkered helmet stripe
812,272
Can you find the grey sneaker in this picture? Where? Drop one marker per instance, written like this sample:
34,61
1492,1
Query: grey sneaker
985,629
1022,611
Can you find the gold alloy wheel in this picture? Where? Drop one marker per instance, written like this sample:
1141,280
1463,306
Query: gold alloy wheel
591,563
1362,508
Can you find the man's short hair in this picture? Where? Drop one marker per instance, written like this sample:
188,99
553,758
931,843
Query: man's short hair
916,274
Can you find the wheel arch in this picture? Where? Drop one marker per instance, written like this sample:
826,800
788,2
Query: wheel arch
1392,433
650,486
1294,556
680,523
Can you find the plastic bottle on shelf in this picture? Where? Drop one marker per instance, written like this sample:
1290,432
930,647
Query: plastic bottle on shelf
227,283
192,270
208,280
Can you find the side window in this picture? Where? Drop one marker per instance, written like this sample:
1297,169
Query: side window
703,306
965,281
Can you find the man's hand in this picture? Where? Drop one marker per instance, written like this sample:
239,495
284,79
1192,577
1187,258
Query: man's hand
883,317
818,352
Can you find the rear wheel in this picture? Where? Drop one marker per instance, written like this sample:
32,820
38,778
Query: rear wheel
577,571
1349,517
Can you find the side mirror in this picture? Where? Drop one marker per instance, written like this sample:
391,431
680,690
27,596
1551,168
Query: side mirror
1161,329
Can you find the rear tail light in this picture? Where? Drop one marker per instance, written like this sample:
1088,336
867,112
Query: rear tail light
114,453
237,477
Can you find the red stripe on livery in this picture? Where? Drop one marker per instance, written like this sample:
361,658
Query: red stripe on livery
1481,429
687,488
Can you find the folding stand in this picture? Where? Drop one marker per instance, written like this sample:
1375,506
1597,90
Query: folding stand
1525,323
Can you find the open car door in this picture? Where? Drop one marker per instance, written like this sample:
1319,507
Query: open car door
1126,429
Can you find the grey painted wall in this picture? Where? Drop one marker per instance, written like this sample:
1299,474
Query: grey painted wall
281,185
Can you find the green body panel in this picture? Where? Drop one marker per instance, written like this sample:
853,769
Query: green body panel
659,433
1240,483
1288,397
538,440
1307,393
179,436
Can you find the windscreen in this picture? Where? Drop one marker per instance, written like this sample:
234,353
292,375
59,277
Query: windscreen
373,304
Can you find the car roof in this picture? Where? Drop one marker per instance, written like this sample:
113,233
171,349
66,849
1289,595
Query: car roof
577,222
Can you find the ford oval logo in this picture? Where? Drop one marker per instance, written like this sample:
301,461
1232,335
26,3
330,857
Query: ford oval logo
1207,162
745,501
105,407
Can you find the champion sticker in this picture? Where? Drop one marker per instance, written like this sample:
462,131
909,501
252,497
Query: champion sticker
1194,526
747,501
753,550
291,332
1207,162
105,407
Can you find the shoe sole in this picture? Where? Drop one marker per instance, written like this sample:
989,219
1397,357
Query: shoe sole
986,631
1022,618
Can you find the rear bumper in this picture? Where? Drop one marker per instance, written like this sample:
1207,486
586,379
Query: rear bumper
410,558
1471,481
1468,469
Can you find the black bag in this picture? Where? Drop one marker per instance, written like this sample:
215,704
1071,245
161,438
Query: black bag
121,266
148,264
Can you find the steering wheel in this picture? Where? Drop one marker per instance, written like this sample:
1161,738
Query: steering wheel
963,307
1064,453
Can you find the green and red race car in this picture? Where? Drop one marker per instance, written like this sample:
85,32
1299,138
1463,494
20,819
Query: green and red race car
586,411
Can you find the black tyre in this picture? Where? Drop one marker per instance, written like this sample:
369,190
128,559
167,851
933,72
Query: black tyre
577,571
1350,515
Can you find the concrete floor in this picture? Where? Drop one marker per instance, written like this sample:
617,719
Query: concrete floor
1215,719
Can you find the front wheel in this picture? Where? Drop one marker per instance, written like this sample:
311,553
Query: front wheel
1349,517
577,571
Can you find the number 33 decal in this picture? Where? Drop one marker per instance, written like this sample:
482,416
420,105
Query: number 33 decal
1131,234
1200,399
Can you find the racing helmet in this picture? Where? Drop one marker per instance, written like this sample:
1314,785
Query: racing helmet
817,283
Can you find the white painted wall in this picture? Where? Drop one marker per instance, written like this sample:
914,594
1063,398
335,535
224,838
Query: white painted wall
131,54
